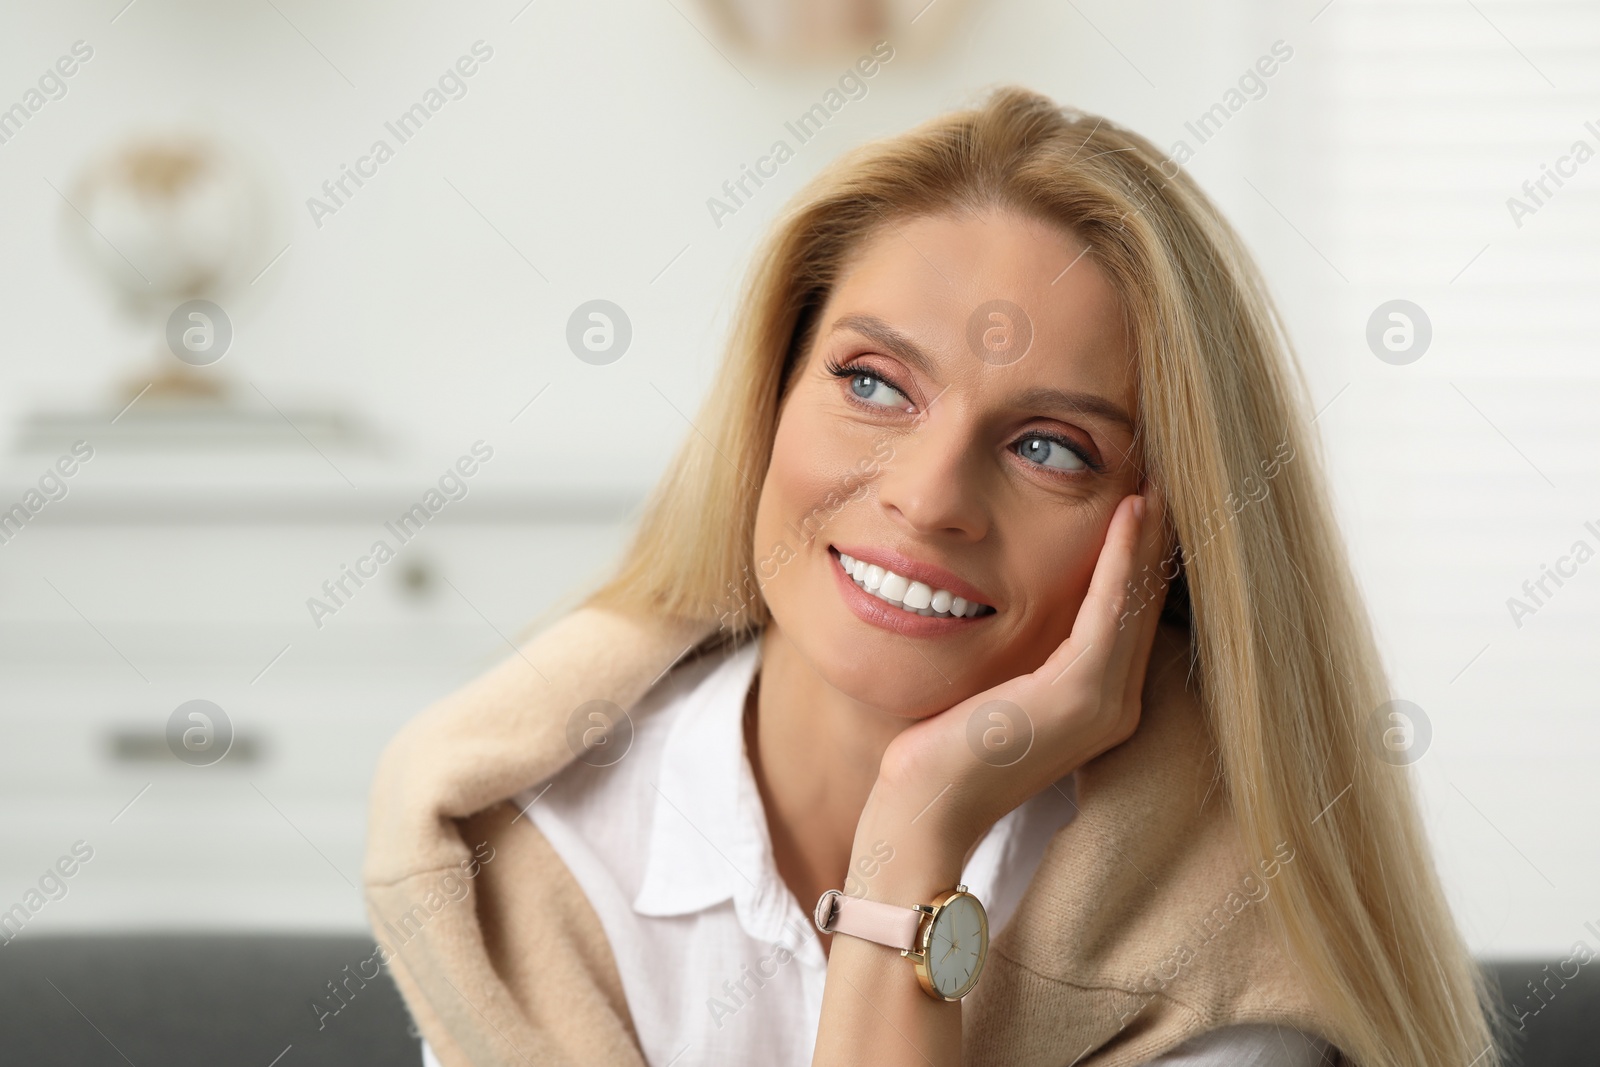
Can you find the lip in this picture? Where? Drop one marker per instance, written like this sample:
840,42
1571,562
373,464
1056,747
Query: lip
926,573
886,616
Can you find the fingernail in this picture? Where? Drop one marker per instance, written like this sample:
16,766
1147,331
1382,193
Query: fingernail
1138,508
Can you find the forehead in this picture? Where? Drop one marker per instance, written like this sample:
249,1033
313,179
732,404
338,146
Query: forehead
928,276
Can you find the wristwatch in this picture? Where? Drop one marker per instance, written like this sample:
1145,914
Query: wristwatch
947,940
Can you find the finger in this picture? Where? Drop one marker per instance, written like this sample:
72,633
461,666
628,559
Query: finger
1094,631
1144,595
1163,551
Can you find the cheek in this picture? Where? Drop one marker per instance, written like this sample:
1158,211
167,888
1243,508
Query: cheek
794,470
811,470
788,477
1062,581
791,481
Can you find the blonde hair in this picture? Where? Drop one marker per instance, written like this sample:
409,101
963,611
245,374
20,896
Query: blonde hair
1287,662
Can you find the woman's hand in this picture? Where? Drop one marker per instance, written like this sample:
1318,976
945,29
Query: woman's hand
945,781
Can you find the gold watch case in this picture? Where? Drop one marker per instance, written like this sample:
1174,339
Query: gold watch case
919,956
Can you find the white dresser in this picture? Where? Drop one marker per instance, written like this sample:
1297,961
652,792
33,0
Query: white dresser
168,574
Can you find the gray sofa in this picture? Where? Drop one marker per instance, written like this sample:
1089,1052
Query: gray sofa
182,1000
266,1001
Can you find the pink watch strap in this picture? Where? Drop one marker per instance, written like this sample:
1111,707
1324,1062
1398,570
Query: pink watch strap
887,924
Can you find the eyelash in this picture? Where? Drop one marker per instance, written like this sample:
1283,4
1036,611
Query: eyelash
853,369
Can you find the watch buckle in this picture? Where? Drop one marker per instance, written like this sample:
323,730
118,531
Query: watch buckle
827,910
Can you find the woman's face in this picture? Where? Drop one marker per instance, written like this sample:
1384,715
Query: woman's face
954,447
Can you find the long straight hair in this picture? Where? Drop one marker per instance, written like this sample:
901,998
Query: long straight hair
1288,668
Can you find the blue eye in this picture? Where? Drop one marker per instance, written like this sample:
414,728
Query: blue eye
865,386
1054,452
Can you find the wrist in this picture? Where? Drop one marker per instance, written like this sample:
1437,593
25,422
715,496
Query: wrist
902,854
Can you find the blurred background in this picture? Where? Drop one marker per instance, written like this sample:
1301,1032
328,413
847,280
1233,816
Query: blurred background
240,343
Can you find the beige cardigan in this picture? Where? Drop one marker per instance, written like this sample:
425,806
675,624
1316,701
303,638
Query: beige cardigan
1143,926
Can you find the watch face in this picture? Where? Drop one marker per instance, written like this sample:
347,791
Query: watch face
956,946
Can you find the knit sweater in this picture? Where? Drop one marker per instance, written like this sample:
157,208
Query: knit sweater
1145,924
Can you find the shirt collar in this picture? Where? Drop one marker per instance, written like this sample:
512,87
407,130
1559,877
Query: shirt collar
706,842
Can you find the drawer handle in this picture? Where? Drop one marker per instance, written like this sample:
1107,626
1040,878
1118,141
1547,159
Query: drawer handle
140,745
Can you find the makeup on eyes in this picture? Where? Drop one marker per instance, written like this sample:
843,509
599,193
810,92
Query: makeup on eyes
853,368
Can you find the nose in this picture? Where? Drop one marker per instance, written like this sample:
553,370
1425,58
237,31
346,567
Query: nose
932,483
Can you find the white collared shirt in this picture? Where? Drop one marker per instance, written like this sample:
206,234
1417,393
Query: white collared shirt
719,963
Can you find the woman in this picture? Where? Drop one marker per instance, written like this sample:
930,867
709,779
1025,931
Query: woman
994,612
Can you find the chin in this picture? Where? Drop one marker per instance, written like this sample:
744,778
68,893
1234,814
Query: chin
879,670
892,699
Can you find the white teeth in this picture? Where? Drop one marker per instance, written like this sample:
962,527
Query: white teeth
916,597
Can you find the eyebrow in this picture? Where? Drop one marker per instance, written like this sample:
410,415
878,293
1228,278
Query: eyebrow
1039,396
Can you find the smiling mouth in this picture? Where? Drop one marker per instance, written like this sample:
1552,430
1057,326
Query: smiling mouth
915,598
